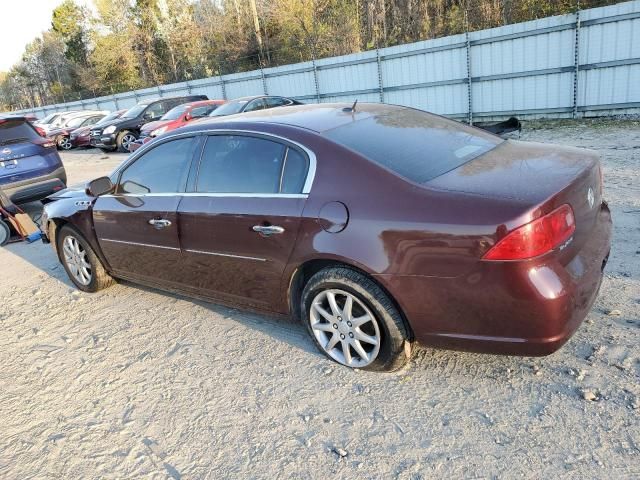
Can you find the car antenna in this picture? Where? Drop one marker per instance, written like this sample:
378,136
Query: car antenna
352,108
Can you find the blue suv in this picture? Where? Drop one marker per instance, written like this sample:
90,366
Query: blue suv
30,166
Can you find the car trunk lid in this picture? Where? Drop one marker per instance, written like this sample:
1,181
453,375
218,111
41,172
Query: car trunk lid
537,176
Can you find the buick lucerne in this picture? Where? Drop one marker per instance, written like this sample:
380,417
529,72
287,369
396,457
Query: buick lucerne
376,225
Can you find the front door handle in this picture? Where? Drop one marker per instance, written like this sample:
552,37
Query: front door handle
159,223
268,230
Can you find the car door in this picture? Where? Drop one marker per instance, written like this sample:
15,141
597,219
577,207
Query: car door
240,223
137,226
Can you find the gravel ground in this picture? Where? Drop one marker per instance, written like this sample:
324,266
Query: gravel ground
136,383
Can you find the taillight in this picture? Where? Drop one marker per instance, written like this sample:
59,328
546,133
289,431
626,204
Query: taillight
535,238
44,142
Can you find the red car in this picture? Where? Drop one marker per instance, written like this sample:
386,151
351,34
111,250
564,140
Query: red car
80,137
377,226
175,118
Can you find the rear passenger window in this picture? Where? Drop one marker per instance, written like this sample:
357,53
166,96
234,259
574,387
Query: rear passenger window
240,164
295,172
163,169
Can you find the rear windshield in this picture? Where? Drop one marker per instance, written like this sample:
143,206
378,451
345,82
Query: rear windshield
414,144
16,131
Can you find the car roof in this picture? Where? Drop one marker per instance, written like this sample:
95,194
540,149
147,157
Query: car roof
316,117
201,103
253,97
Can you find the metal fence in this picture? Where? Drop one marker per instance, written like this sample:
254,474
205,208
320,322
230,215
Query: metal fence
582,64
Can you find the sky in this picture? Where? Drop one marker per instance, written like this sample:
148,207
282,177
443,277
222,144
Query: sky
22,21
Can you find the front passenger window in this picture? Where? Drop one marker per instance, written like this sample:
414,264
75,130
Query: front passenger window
163,169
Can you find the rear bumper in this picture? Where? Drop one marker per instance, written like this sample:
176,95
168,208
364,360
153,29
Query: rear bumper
36,188
512,308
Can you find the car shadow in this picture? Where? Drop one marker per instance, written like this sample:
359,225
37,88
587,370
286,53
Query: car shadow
280,328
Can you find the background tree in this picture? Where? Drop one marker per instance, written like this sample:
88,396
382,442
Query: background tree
126,44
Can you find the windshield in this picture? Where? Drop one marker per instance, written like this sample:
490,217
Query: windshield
75,122
134,112
48,119
108,118
175,112
417,145
229,108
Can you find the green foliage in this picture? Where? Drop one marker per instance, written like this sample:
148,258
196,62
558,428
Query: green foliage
131,44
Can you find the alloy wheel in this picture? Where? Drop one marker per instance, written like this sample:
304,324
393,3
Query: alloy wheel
127,140
75,257
65,143
345,328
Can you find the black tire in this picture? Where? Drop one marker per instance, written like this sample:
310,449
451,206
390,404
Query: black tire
100,279
5,233
123,146
395,347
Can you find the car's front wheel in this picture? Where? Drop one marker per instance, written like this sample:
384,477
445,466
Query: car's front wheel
80,261
124,140
353,321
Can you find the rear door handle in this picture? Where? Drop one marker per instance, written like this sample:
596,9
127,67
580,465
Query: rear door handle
268,230
159,223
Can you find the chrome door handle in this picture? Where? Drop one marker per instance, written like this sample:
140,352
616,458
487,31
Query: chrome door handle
159,223
268,230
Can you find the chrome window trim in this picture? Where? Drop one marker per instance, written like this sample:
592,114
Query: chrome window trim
203,194
311,173
284,166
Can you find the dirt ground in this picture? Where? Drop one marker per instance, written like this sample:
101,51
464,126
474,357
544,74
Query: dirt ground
135,383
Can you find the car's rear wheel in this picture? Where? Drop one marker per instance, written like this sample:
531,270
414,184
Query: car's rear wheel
5,233
80,261
124,140
353,321
64,143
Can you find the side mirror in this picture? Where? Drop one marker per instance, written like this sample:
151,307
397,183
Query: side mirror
99,186
148,116
188,117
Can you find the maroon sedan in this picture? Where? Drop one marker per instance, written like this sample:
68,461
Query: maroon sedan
377,226
81,137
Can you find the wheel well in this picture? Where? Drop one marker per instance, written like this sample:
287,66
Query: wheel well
308,269
54,225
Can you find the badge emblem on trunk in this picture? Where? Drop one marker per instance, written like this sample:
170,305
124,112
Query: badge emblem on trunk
6,151
590,197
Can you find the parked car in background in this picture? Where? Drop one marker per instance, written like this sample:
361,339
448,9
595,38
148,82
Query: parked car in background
62,119
120,133
175,118
62,134
81,137
250,104
377,225
30,166
49,119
